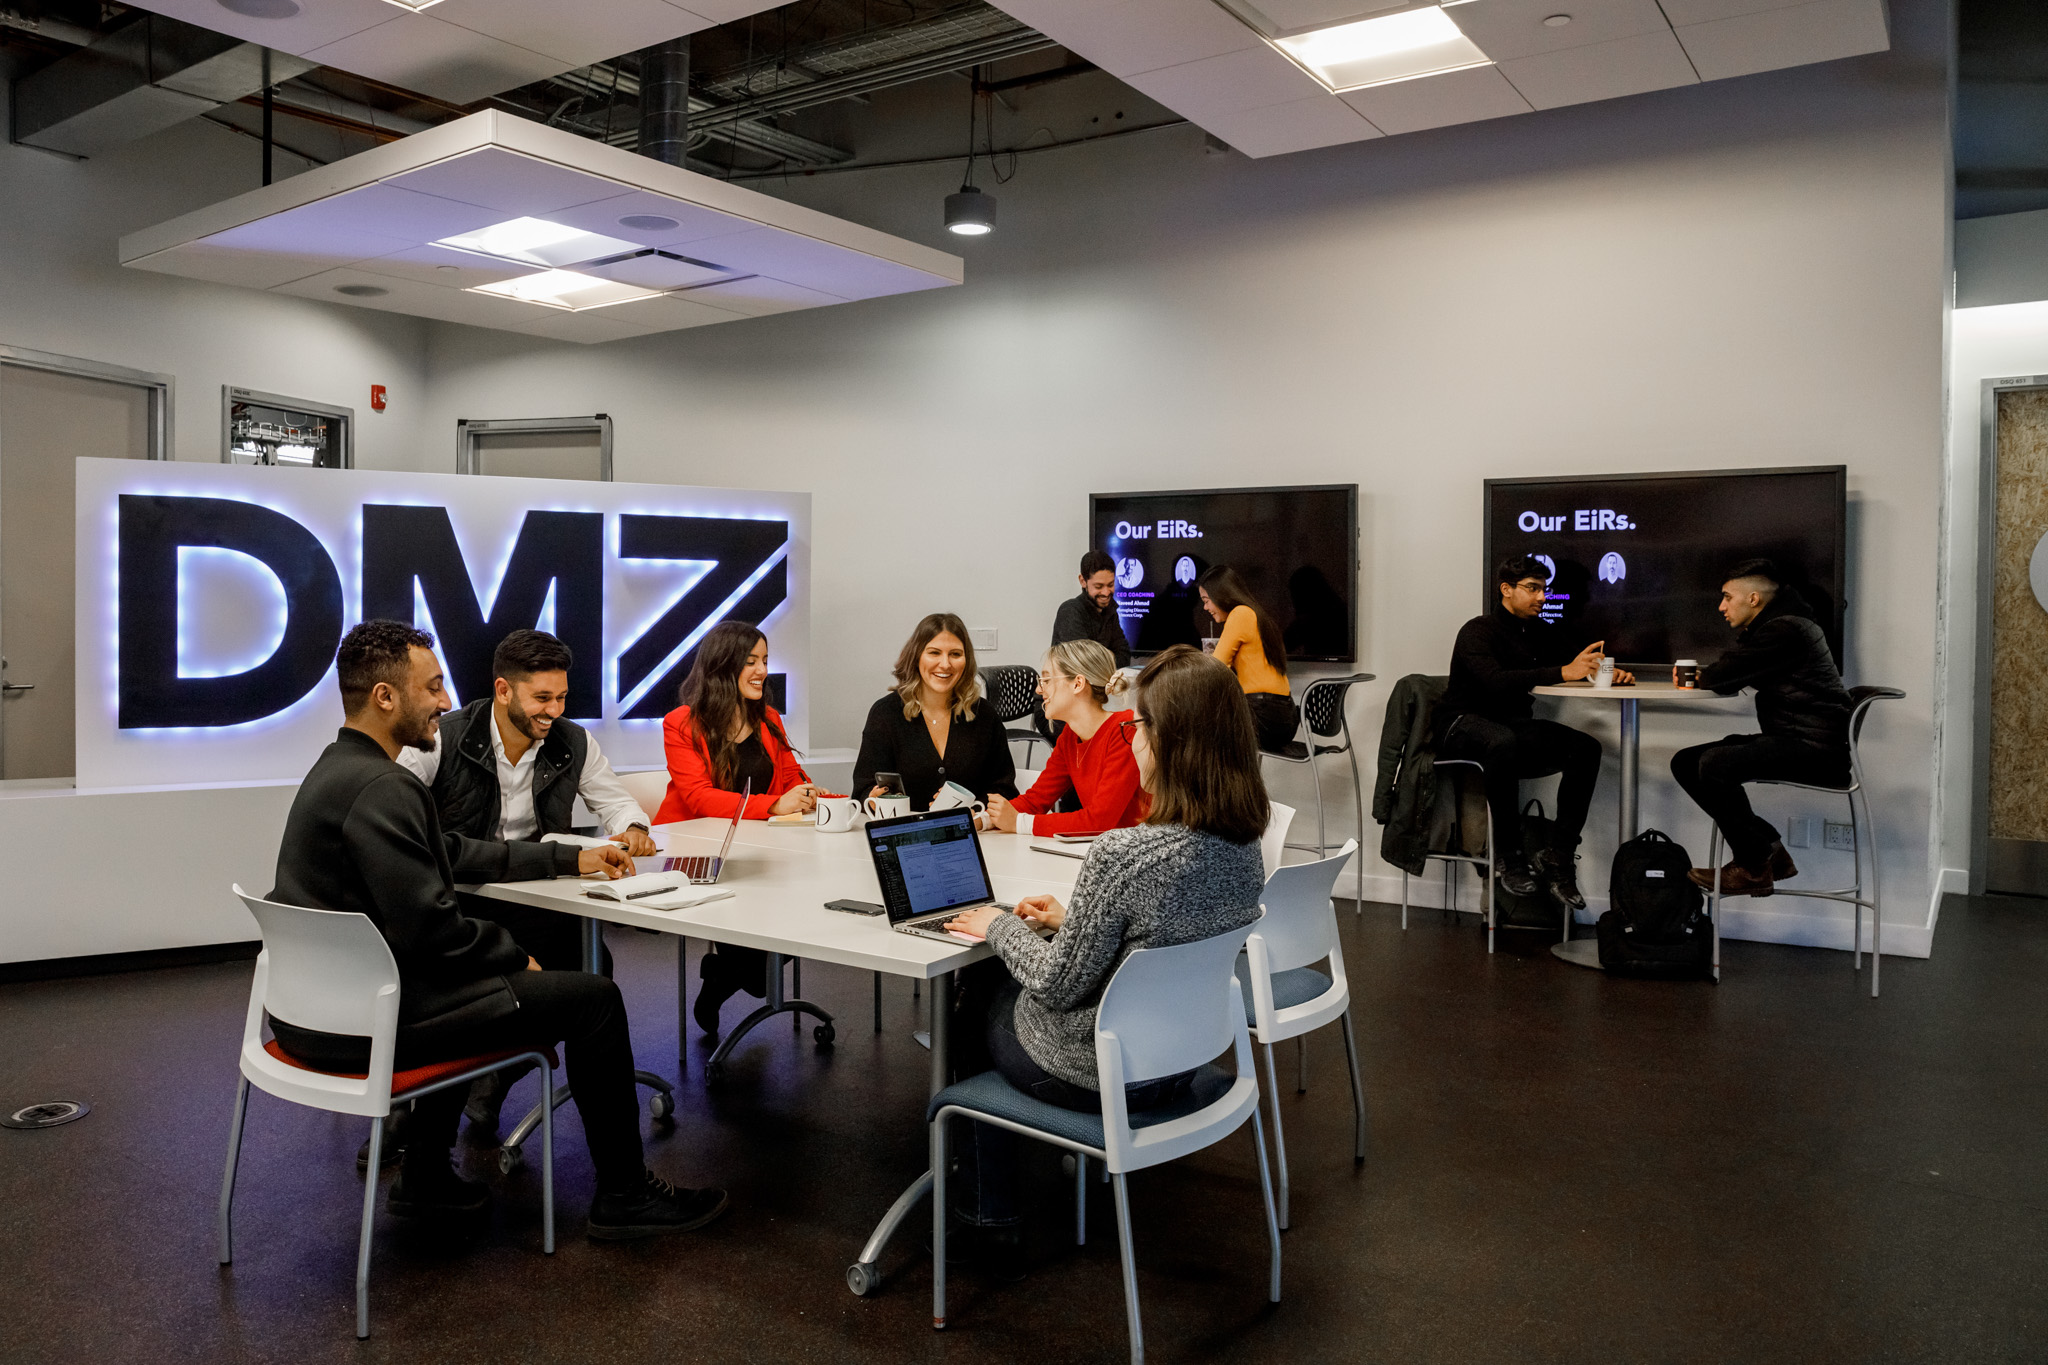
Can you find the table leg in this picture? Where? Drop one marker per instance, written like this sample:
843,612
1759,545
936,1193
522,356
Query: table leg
593,943
864,1275
1630,754
682,1006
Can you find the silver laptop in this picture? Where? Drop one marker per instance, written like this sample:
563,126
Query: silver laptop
702,869
931,869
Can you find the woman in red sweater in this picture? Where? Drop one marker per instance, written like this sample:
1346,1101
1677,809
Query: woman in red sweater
1092,759
724,737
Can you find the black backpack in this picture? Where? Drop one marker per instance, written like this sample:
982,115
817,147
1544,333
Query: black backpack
1655,926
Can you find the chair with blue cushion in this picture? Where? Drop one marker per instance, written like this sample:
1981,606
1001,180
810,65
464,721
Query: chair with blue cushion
1166,1011
1288,997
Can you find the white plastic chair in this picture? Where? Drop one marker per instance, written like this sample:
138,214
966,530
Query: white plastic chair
333,972
1273,843
1289,998
649,789
1167,1010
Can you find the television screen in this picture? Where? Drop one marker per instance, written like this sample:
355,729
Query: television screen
1638,560
1296,548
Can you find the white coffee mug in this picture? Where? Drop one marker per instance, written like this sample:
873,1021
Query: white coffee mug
953,796
886,807
836,814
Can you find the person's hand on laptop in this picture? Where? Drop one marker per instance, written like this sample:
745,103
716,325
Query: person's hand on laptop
637,842
606,860
1042,910
974,923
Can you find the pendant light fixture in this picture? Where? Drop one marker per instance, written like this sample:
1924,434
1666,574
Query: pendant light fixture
970,212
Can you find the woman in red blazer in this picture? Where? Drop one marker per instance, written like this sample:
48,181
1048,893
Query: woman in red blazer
724,737
1092,760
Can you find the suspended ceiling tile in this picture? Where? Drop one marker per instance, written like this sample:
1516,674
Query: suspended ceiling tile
509,183
819,265
312,23
624,321
1467,96
229,265
693,225
421,53
273,252
578,34
1683,12
1297,126
1250,79
759,295
724,11
1773,39
1132,37
1506,29
396,212
414,299
1626,66
445,267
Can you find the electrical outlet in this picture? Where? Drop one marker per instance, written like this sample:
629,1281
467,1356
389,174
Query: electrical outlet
1800,829
1841,837
983,637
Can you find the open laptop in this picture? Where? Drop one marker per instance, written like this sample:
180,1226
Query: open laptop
931,869
702,869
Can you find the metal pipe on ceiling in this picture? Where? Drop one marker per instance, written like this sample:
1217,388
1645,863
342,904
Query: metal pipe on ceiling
665,101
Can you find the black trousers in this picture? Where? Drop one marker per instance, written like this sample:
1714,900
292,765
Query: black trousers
553,939
1517,749
583,1010
1274,719
1713,774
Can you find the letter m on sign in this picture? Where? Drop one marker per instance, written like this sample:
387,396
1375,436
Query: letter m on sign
562,552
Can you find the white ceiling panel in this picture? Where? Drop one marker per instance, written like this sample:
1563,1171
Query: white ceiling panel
819,265
1292,127
1506,29
229,265
444,267
758,295
624,321
1683,12
1293,14
693,224
1250,79
1136,36
1468,96
396,212
314,22
411,298
1604,71
509,183
723,11
578,34
1773,39
421,53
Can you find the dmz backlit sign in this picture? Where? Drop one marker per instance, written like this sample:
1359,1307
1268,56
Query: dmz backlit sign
211,598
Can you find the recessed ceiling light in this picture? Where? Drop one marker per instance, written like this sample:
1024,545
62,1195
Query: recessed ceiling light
567,290
361,291
261,9
414,5
648,222
536,241
1557,21
1392,47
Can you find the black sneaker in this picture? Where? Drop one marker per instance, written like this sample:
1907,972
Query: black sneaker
430,1188
655,1208
487,1098
1561,872
1517,880
393,1150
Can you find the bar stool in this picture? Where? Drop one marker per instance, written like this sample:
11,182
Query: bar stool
1328,731
1483,864
1862,833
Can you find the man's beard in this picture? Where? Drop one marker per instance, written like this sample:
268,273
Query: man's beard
522,721
417,729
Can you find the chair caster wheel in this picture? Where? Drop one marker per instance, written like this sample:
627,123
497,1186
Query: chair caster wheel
509,1160
863,1279
661,1107
824,1033
714,1074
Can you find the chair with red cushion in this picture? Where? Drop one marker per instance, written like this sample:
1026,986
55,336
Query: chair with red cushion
333,972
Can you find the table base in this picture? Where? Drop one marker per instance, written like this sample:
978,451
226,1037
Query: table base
1580,952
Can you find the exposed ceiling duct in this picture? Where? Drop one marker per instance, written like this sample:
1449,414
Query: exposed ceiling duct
665,101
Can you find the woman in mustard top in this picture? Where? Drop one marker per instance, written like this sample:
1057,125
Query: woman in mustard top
1252,648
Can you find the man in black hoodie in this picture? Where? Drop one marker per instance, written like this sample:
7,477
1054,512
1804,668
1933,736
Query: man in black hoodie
363,836
1801,707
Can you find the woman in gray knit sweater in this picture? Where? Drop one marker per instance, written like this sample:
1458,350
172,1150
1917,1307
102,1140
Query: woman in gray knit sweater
1191,871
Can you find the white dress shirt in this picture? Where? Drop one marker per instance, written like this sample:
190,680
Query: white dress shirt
598,785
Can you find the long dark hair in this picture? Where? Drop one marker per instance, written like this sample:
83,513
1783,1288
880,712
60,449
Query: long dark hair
712,692
966,692
1228,591
1205,758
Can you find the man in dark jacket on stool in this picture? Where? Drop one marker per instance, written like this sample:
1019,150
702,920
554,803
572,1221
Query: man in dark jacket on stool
1486,714
363,836
1801,707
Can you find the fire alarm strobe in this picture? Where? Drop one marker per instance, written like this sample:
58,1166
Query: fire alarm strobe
376,398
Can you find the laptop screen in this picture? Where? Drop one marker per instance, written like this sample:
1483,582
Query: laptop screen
927,863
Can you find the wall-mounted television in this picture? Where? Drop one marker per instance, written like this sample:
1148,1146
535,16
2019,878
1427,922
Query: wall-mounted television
1638,559
1296,548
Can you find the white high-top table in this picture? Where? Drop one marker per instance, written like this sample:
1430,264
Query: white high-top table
1585,952
781,877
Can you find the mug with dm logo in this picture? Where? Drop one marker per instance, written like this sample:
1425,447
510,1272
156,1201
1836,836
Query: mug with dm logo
953,796
1686,673
885,807
836,814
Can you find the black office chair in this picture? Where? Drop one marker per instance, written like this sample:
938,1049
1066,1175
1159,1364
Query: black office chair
1013,691
1329,731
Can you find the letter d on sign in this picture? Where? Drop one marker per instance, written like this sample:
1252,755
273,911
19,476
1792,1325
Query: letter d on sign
152,695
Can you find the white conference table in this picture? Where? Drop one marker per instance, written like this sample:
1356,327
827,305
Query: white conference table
1585,952
781,876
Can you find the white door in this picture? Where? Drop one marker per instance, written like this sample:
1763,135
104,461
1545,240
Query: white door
47,421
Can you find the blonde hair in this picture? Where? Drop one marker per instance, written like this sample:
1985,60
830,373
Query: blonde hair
966,692
1090,661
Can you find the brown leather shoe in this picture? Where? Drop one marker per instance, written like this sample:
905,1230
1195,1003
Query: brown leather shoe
1781,868
1736,880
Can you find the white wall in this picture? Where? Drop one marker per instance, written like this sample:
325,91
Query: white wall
1745,273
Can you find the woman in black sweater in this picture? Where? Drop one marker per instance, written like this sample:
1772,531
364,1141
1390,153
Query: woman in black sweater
934,727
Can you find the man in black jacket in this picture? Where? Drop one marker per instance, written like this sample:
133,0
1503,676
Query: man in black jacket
363,836
1801,707
1092,614
1487,714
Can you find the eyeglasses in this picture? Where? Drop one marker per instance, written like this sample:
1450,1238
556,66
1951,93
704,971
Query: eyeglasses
1127,726
1531,585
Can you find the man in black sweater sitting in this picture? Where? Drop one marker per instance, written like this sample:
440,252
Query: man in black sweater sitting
1801,707
1486,714
363,836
